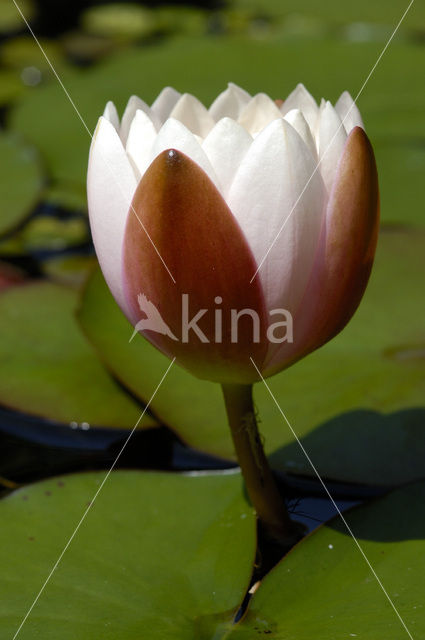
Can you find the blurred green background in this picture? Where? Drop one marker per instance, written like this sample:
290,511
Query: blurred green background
104,51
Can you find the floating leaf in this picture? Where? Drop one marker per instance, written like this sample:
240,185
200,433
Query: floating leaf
47,368
163,554
69,269
325,589
392,106
52,234
10,19
121,21
334,12
21,181
333,391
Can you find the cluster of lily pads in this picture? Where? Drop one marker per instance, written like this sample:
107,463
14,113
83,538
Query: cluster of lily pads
162,551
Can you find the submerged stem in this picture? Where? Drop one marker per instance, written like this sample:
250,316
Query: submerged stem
259,481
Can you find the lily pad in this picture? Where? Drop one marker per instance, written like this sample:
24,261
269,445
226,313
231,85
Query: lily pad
333,11
21,181
48,369
392,103
402,164
163,554
192,407
11,87
23,52
10,19
362,369
324,588
121,21
71,270
48,233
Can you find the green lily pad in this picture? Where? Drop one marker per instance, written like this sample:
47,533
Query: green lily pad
375,364
191,21
70,270
11,87
401,164
334,12
47,368
324,588
392,102
52,234
192,407
10,19
23,52
159,554
69,196
21,181
121,21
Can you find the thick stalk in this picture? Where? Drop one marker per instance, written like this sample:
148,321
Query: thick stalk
260,484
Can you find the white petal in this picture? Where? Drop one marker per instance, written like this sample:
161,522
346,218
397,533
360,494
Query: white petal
165,103
110,187
225,145
278,201
133,105
297,120
111,114
258,113
331,137
302,99
193,114
229,103
140,141
348,112
174,135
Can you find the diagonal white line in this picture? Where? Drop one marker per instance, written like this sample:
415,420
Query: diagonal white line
330,143
55,566
91,135
333,502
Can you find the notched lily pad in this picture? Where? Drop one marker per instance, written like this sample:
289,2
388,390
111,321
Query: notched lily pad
325,589
163,554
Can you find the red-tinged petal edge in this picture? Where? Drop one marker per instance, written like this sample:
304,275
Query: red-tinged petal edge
177,209
345,258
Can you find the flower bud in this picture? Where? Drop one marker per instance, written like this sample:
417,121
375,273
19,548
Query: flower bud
239,233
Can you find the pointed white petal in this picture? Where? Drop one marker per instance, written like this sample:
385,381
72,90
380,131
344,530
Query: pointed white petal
225,145
133,105
229,103
297,120
174,135
278,201
165,103
111,114
258,113
193,114
331,137
302,99
140,141
346,108
110,187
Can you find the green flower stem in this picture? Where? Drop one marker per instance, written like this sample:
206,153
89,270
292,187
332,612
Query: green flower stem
259,481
